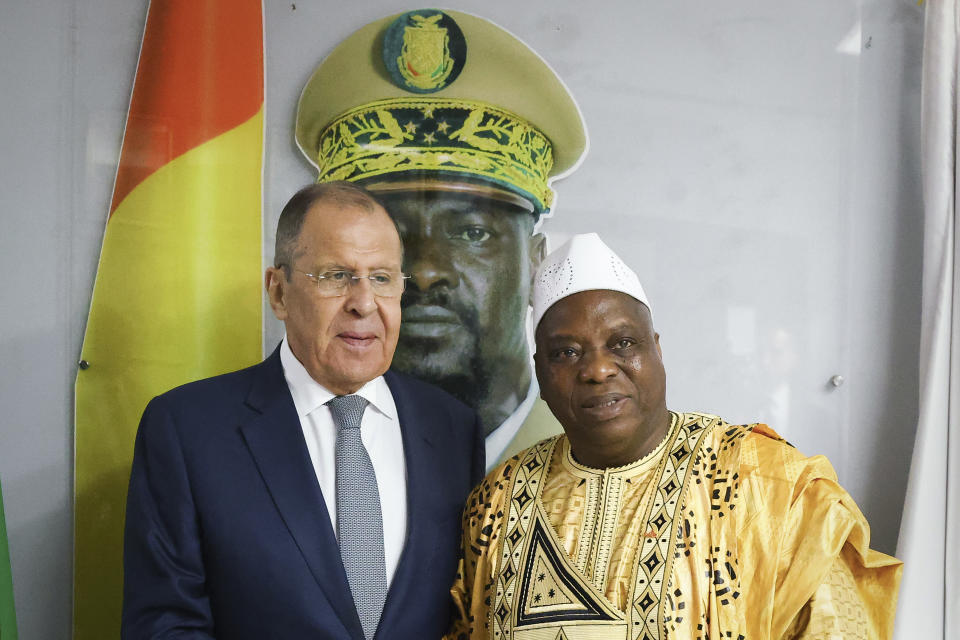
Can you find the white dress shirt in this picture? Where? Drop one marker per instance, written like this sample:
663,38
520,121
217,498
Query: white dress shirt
502,436
380,433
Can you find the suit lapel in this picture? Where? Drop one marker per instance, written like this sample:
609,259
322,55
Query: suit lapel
418,449
275,439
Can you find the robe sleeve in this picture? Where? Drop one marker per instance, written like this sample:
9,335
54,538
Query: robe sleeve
836,609
472,590
827,577
460,592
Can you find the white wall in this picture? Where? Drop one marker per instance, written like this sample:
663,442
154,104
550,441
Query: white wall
66,70
755,162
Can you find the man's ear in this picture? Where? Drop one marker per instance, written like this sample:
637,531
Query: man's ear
275,282
538,251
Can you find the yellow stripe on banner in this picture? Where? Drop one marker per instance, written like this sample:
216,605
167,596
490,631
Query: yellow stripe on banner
177,298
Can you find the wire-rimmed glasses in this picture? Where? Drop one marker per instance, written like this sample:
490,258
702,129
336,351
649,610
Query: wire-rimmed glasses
334,283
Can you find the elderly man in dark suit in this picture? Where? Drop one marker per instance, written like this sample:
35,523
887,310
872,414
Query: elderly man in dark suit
316,494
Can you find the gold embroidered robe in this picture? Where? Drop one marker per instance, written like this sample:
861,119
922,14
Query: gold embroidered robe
721,532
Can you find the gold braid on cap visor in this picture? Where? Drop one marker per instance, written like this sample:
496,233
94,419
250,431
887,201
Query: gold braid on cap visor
457,139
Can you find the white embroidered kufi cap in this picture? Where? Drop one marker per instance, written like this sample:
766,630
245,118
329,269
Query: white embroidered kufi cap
584,263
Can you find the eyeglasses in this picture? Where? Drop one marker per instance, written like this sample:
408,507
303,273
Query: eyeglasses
334,283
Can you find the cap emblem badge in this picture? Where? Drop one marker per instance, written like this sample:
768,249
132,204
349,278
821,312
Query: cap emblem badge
424,52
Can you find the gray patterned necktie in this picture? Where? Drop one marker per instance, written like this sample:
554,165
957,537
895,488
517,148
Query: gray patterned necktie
359,519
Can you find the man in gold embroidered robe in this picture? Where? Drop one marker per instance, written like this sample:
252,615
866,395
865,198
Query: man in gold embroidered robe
643,523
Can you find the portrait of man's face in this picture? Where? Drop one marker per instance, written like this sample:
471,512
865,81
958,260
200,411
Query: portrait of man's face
470,260
464,163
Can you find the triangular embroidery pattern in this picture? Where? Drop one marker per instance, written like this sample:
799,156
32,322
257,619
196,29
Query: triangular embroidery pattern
549,592
561,636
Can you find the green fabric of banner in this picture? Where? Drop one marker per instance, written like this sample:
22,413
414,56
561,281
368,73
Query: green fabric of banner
8,617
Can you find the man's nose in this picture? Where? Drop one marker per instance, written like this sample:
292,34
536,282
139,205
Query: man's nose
360,299
597,366
430,265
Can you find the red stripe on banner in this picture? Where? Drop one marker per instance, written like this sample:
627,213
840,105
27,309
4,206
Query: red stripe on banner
199,75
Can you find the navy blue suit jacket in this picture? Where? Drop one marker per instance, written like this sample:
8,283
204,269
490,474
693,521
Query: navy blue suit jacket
227,534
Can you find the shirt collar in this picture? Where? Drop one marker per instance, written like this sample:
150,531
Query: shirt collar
308,394
501,437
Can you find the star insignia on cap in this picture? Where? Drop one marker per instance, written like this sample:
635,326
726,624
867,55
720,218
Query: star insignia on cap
410,127
428,112
429,138
442,126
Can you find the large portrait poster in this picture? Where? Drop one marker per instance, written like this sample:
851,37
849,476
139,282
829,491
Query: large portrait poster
723,152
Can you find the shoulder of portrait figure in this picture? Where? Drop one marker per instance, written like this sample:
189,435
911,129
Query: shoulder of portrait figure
425,391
